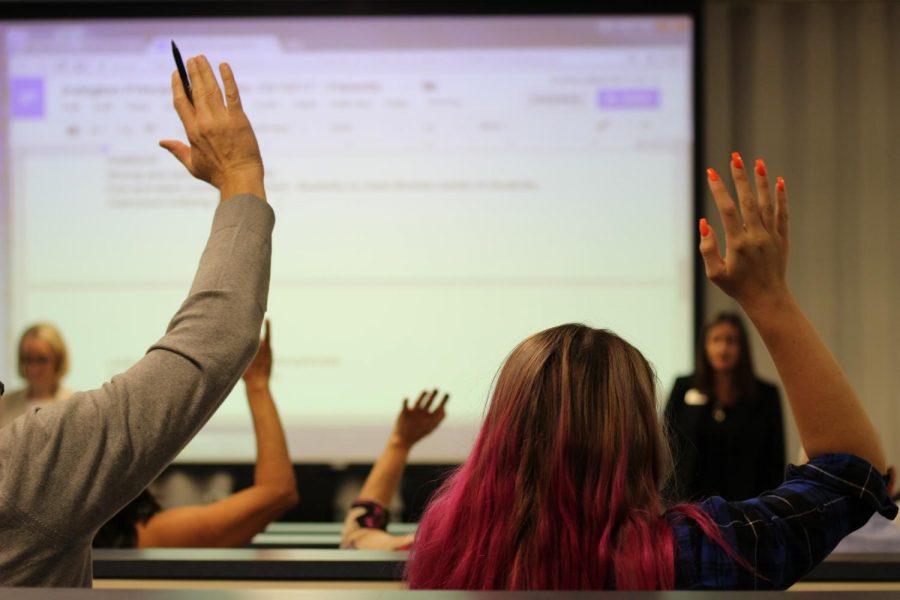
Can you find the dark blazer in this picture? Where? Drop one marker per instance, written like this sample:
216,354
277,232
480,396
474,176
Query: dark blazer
737,456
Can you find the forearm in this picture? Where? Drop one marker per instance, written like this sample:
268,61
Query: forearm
234,520
274,470
381,485
228,523
828,413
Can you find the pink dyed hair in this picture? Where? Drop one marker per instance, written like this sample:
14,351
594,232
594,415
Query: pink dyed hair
562,488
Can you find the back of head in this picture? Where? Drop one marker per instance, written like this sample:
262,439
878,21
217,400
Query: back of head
561,490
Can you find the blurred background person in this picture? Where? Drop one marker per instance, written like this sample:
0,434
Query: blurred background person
724,423
43,362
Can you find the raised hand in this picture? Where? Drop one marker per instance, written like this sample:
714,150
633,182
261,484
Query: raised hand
223,150
416,421
756,237
828,413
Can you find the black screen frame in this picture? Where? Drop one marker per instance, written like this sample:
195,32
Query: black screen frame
72,9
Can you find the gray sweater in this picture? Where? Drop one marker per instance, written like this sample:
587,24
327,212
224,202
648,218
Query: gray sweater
66,469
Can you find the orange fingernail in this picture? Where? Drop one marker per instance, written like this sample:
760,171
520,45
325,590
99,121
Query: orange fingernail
704,228
760,167
736,160
779,184
711,173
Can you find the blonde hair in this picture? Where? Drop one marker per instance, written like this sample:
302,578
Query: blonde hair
50,334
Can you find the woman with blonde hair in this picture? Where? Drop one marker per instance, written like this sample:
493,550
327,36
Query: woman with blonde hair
43,362
562,487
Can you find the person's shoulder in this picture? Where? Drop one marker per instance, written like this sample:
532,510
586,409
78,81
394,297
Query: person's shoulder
680,391
14,396
63,393
14,402
682,384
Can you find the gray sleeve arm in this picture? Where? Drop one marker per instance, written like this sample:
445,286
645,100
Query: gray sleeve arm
67,468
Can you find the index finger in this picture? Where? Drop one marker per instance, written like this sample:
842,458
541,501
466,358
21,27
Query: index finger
180,101
731,220
268,334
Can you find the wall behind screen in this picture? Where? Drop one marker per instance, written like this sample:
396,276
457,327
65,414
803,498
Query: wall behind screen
818,84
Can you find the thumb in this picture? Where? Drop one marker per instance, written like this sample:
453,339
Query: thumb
709,250
180,151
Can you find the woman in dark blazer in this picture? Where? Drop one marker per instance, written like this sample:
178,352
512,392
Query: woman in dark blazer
724,423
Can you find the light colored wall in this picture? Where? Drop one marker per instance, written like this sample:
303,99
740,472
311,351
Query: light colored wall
814,88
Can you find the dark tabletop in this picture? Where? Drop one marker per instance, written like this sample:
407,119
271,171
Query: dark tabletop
358,565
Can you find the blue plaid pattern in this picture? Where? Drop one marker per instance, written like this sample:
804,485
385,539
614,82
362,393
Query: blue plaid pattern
784,533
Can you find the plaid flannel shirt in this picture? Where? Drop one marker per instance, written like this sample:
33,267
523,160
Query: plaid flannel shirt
784,533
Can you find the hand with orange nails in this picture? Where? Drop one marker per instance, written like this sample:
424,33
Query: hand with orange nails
223,150
756,236
829,416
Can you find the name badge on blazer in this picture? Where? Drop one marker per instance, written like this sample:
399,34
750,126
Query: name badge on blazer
694,397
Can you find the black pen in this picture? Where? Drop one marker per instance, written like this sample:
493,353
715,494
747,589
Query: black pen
182,72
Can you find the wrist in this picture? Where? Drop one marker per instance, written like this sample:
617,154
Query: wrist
254,385
244,180
398,442
771,308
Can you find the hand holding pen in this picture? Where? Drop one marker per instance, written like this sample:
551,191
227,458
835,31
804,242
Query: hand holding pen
182,72
223,149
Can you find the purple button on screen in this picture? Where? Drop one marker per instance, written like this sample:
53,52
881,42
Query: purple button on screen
628,98
26,97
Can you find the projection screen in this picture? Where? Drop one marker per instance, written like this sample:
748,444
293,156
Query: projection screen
444,187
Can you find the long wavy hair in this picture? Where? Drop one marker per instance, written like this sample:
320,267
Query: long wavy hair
562,488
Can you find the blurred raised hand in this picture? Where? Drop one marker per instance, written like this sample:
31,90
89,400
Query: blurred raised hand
413,423
419,419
